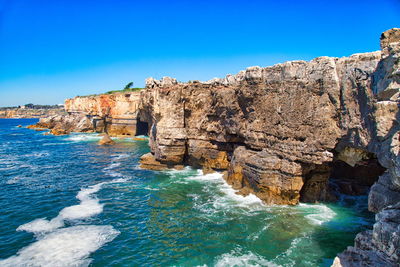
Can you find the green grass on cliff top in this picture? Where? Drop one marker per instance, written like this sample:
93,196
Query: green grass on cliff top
116,91
124,90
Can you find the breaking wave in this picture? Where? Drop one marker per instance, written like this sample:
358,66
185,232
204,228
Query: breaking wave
64,247
71,246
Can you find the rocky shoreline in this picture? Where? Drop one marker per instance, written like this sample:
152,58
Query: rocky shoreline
296,131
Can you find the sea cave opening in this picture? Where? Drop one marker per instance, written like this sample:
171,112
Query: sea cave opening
355,177
142,127
352,172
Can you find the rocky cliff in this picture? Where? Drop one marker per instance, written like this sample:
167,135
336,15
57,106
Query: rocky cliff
114,113
276,129
297,131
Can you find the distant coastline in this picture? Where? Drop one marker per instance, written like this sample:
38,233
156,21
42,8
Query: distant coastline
30,111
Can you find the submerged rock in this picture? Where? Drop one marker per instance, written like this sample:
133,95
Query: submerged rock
148,161
106,140
58,131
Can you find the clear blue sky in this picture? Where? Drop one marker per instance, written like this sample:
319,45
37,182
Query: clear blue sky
54,49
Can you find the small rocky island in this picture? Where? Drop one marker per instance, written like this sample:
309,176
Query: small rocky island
293,132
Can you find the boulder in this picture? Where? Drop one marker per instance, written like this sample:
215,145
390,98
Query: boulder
106,140
148,161
58,131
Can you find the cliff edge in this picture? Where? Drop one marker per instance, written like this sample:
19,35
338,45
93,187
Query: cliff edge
296,131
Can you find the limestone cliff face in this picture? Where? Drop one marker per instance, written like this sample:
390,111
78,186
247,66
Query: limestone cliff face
282,132
115,114
381,245
292,132
112,113
273,128
113,105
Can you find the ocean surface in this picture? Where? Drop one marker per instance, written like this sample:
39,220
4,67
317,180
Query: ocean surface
66,201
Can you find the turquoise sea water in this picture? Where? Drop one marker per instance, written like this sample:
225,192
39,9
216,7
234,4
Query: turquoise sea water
65,201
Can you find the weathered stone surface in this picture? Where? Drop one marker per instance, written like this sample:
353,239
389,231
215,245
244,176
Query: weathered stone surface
377,247
274,180
66,123
390,39
148,161
106,140
58,131
294,113
114,113
352,155
381,246
280,128
279,131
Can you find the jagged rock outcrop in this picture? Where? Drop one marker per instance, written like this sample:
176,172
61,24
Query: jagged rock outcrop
112,113
115,114
279,124
65,123
281,131
381,245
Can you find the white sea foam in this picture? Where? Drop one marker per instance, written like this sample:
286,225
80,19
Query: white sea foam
293,245
37,155
85,209
89,206
183,173
249,200
229,196
319,214
82,137
109,170
14,180
112,173
112,166
64,247
142,136
121,156
237,258
42,225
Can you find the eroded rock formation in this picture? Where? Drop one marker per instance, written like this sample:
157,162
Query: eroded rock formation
115,114
112,113
283,133
275,129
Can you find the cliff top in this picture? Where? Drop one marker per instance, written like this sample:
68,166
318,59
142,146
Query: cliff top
256,71
389,40
116,92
